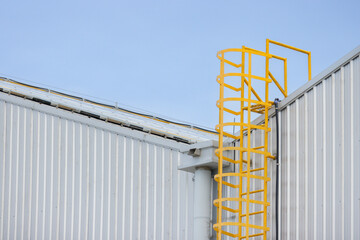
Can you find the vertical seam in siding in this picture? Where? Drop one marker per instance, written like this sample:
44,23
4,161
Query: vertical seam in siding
44,179
325,147
306,131
171,194
123,193
288,171
94,185
147,191
297,170
17,172
87,184
352,148
342,94
10,169
178,198
80,177
139,192
116,186
23,178
66,159
131,187
102,159
31,171
162,194
333,154
73,183
280,176
3,174
315,162
58,184
186,207
155,189
109,187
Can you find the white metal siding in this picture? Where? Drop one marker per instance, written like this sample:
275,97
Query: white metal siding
64,179
320,165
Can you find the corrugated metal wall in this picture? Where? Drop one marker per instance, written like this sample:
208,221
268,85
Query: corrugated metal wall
63,179
320,134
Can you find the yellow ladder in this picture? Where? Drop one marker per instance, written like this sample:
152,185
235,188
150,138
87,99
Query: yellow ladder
246,187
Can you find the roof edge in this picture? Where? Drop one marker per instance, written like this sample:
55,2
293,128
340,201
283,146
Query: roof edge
90,121
169,129
320,77
313,82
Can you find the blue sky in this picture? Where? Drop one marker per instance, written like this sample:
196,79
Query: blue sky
160,56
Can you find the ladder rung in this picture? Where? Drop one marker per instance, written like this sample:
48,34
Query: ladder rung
253,213
232,87
252,235
258,147
254,170
229,234
232,111
252,110
230,209
230,184
256,191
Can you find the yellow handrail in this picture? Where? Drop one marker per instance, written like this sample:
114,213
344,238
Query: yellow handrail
268,41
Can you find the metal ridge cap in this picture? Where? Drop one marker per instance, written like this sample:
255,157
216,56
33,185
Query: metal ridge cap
192,133
31,103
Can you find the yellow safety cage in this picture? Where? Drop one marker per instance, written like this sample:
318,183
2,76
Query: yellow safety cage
247,185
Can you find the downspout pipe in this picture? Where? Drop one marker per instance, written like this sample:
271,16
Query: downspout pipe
201,162
202,203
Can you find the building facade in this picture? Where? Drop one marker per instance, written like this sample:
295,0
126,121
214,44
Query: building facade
72,168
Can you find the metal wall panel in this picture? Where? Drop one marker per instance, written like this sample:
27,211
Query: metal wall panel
64,179
320,144
320,137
